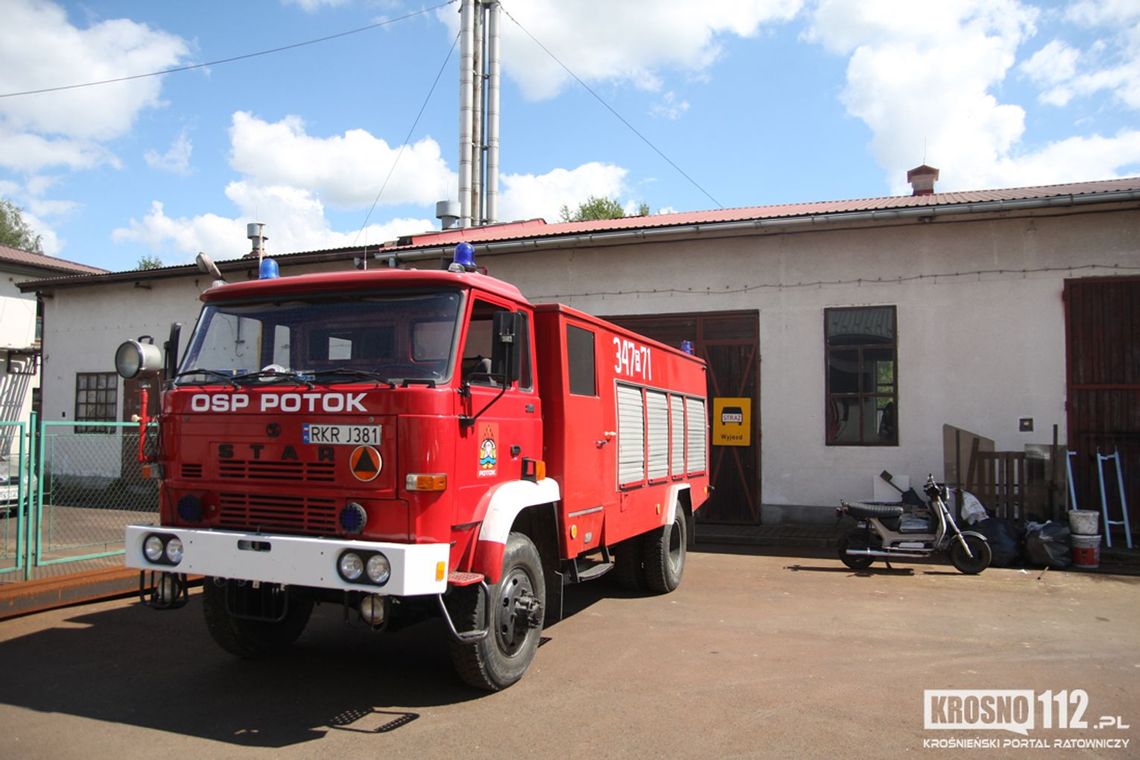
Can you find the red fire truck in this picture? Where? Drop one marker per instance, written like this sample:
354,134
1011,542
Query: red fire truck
413,443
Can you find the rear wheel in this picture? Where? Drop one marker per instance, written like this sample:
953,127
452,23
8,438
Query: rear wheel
854,561
979,548
663,554
254,639
517,600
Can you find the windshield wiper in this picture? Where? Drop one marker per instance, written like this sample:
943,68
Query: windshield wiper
277,374
363,374
227,376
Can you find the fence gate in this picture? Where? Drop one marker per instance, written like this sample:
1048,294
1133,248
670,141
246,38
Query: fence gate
78,487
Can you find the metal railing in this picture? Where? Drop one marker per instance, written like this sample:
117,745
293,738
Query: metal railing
67,492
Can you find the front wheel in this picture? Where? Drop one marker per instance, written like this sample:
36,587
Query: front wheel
248,638
979,548
518,601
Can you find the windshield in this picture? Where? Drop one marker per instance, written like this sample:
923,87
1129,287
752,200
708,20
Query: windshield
346,338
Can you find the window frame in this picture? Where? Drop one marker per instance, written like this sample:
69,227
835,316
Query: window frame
862,396
102,407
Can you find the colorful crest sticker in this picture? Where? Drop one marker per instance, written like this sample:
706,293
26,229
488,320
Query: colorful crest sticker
488,450
365,463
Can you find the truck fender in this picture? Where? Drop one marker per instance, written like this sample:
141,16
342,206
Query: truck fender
675,491
500,507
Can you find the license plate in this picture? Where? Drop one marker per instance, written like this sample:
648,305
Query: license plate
344,435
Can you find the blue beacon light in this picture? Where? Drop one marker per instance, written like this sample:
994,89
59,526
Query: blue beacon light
465,257
268,270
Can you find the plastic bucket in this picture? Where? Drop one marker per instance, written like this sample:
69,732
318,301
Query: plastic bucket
1086,551
1083,522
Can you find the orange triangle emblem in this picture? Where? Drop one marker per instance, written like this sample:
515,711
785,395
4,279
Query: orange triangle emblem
365,463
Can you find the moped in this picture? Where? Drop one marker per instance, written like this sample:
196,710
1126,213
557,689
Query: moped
889,531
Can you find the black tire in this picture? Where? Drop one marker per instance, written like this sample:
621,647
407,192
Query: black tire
628,571
979,547
252,639
518,602
848,540
663,554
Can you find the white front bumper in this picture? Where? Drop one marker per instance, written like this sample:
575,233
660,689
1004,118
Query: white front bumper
293,560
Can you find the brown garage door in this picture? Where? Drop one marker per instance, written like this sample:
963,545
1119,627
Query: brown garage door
1102,321
730,343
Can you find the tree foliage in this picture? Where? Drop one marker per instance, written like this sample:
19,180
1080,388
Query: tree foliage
15,232
594,208
149,262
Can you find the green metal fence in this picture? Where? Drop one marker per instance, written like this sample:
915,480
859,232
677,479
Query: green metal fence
80,484
15,495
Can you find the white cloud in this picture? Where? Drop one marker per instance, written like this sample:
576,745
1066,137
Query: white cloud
343,170
295,221
312,6
530,196
40,48
27,152
1111,62
603,40
176,159
670,107
923,78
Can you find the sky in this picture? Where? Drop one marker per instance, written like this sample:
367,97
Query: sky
682,105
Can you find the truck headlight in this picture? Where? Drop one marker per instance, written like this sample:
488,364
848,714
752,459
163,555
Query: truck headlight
379,569
350,566
153,548
174,550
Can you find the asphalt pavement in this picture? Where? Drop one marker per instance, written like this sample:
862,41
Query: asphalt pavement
756,655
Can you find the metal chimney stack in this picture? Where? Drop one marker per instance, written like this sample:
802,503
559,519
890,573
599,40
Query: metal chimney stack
255,231
479,77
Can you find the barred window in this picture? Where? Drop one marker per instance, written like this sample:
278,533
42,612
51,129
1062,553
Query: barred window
96,400
862,376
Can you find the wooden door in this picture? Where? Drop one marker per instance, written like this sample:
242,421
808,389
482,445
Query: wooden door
1102,330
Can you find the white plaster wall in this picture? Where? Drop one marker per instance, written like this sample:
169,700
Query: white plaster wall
981,342
978,347
17,330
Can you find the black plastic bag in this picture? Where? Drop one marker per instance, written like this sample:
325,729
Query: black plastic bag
1005,538
1048,546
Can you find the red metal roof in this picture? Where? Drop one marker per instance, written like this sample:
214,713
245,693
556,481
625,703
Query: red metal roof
537,228
49,263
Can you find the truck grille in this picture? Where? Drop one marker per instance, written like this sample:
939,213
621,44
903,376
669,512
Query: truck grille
191,471
317,472
274,513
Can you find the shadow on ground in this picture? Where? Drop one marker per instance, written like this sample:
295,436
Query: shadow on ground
161,670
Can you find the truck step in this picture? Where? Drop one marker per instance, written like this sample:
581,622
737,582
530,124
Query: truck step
586,570
463,579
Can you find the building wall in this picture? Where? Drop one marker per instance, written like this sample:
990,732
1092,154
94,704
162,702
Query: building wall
17,375
980,326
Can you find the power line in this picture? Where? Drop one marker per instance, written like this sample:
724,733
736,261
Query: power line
244,56
858,281
407,139
611,109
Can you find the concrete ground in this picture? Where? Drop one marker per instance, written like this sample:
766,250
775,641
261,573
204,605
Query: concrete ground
756,655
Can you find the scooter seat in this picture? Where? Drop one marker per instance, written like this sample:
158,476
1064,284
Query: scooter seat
881,511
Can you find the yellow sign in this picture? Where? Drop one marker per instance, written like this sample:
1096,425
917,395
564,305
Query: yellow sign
732,422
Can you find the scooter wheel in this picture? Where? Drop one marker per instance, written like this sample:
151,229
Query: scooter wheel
979,547
853,561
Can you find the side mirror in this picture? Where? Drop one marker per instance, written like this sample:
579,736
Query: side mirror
170,350
507,349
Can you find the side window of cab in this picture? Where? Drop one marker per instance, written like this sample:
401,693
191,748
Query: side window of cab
478,364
